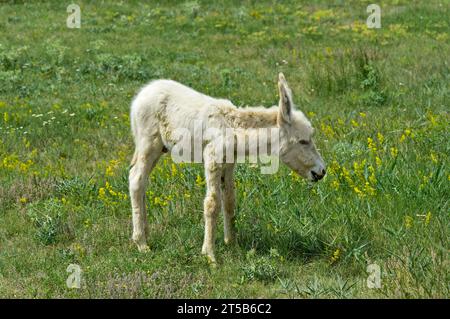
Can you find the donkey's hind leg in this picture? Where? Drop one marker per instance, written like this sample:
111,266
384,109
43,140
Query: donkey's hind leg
146,155
228,203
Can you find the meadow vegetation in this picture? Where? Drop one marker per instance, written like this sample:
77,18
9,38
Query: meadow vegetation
379,99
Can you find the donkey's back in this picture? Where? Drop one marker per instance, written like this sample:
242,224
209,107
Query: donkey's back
171,96
164,105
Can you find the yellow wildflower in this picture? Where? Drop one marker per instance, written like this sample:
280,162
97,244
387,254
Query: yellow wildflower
359,168
322,14
174,170
336,255
427,218
425,180
87,223
358,191
346,175
380,138
394,151
378,161
369,189
333,168
111,167
101,193
406,133
408,222
433,157
371,145
199,181
335,184
295,176
161,201
432,119
327,130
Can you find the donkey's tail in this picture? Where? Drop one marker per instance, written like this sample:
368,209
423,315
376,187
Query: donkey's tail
134,130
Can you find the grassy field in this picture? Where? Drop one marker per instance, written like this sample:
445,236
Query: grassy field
379,99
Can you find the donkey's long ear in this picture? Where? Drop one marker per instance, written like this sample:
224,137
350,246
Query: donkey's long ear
286,105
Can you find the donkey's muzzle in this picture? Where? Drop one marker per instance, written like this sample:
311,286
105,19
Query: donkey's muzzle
318,176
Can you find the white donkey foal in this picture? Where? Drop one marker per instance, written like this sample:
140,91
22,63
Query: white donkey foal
163,106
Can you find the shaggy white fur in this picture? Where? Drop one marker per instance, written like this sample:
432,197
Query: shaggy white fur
163,106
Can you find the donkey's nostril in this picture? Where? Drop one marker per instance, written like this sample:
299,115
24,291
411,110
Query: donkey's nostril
324,172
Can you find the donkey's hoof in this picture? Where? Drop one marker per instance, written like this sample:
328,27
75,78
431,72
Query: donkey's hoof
231,241
143,248
209,258
211,261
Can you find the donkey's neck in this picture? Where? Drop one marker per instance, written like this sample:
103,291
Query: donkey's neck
252,117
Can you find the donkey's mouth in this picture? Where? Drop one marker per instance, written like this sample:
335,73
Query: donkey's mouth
316,177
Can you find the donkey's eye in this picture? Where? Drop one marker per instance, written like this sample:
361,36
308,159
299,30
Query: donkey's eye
304,142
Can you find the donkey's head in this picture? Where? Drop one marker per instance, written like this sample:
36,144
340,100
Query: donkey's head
297,149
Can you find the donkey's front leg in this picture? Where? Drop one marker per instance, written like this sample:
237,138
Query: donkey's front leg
212,205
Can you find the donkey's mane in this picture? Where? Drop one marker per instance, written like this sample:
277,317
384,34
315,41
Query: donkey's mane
251,117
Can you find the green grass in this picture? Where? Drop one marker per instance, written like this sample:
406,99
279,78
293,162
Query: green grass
378,98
